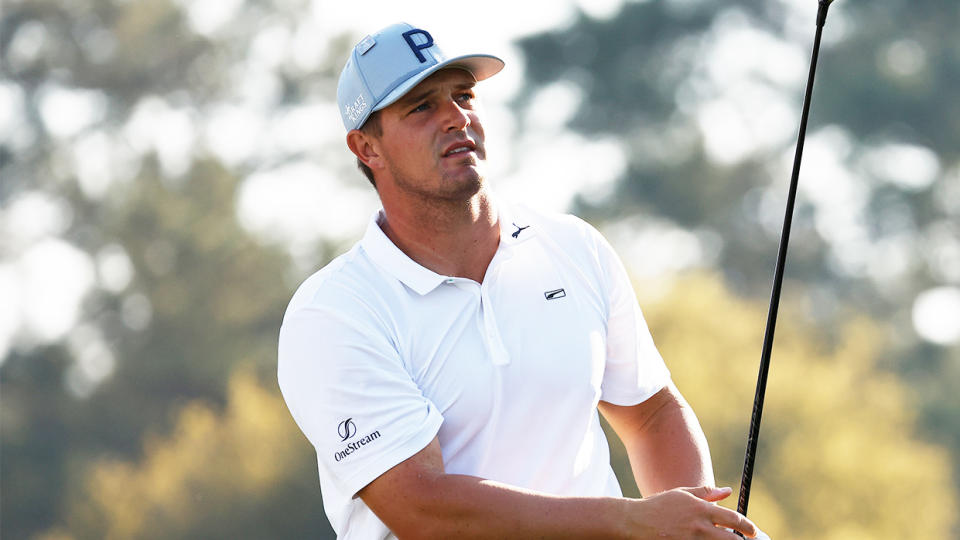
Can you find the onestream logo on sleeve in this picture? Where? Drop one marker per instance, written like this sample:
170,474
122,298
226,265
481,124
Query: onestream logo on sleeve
347,430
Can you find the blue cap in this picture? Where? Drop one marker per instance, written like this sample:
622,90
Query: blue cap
386,65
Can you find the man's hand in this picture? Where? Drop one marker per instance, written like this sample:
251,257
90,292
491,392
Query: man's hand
690,513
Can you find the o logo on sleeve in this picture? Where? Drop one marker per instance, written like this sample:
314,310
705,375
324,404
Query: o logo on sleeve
347,429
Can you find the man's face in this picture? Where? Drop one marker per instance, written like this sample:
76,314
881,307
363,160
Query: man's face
432,140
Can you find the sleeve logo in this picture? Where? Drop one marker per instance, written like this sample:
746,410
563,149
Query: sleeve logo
347,429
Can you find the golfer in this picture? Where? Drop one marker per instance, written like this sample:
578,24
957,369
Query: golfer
451,367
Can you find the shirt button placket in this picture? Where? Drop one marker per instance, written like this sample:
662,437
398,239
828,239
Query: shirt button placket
498,351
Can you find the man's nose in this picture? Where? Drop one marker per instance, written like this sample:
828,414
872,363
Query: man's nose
456,117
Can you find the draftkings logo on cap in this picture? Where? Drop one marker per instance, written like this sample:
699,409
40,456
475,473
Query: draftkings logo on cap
386,65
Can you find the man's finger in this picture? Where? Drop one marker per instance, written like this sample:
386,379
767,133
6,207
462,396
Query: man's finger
710,493
724,517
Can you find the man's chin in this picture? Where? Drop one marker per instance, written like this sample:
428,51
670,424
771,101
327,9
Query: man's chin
464,176
464,172
463,183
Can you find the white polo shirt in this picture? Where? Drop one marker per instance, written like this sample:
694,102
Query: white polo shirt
378,355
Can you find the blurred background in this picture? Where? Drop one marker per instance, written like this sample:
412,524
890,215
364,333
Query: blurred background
170,170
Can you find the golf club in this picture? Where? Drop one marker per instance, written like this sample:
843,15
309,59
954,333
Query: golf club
754,433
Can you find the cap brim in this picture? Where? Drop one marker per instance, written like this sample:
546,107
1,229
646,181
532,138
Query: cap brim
481,66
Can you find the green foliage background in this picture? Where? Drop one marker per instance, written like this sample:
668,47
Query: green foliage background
188,437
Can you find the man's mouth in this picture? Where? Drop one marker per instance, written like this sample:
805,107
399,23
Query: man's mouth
459,148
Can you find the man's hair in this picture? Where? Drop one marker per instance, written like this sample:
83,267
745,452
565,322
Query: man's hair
370,127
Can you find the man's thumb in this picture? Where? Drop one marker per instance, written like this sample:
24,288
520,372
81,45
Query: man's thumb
710,493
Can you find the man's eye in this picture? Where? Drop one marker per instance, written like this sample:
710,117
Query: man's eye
421,107
467,96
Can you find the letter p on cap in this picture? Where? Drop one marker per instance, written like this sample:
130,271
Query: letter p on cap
416,48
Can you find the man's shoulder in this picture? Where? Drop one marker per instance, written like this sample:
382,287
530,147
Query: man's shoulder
343,282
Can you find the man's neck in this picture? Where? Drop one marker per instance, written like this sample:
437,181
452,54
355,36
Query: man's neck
452,239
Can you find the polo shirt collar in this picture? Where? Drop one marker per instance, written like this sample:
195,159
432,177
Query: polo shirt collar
514,229
395,262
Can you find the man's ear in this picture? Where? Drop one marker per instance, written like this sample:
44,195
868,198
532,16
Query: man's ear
364,146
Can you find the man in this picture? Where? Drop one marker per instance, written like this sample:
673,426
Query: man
449,368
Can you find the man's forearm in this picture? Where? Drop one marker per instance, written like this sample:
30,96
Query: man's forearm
460,506
663,438
418,499
670,450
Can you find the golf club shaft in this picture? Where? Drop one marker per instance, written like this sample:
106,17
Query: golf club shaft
754,434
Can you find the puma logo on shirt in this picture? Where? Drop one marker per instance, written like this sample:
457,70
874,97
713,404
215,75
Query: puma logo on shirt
516,233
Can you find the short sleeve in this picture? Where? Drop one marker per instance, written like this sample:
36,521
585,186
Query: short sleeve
347,389
634,370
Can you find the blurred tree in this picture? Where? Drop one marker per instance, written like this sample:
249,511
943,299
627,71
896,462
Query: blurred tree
37,431
204,299
244,473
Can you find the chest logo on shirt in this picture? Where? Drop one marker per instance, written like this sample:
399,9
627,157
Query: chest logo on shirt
516,233
554,294
347,429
